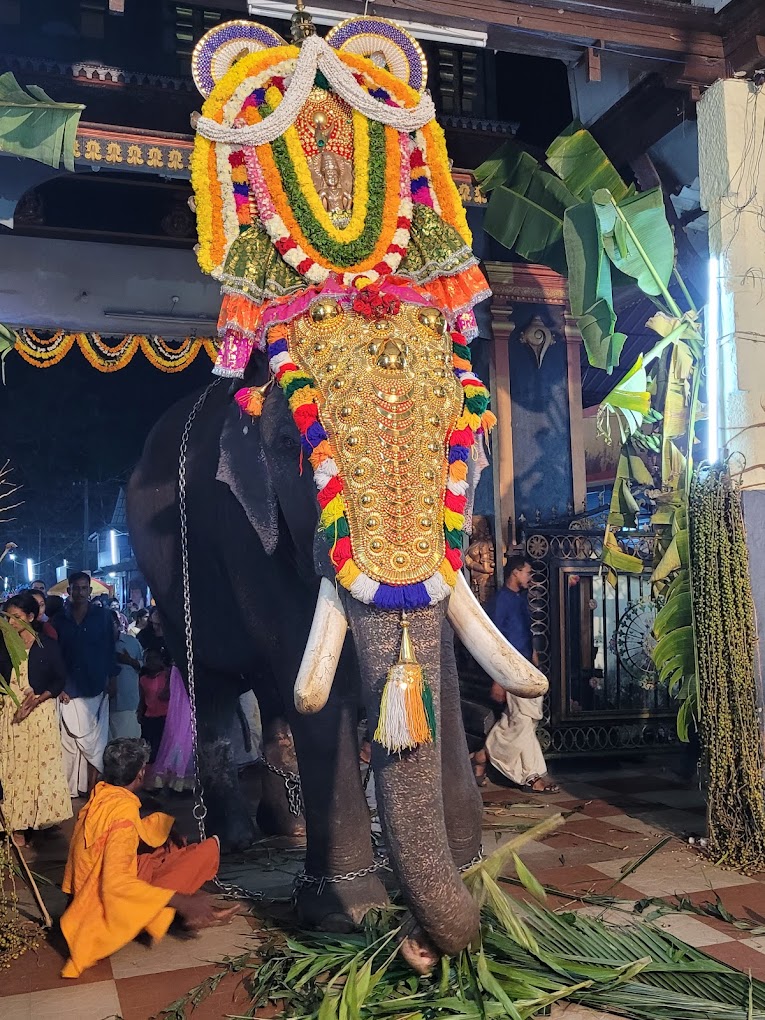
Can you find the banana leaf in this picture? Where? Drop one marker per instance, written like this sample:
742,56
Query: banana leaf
526,207
17,652
618,561
583,166
8,338
646,252
630,401
674,613
35,126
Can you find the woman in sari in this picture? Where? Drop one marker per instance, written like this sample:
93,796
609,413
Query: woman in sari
35,794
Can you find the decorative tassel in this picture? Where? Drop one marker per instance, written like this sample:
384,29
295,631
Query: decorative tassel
407,713
251,398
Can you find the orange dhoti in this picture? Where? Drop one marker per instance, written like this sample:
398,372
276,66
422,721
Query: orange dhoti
118,893
182,869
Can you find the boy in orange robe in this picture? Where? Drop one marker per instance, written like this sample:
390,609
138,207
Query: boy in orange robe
117,892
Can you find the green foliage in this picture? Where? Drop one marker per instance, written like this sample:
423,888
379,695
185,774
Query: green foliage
35,126
526,958
17,652
8,338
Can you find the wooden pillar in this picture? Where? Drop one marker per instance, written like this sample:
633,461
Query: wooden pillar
502,439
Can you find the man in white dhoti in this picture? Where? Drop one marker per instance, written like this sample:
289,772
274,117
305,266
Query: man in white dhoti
86,639
512,746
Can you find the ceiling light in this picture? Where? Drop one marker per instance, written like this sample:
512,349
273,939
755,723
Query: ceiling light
322,16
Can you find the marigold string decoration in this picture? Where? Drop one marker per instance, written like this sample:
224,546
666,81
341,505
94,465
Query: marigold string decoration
167,355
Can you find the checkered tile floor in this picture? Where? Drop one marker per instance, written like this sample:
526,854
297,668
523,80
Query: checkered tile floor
614,816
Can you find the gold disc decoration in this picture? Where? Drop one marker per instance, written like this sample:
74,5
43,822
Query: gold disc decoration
386,44
220,48
389,401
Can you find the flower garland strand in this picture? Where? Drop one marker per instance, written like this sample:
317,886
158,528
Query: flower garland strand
167,356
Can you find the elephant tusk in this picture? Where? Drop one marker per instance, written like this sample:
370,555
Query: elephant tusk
322,651
489,648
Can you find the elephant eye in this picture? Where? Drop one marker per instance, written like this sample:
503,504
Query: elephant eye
288,440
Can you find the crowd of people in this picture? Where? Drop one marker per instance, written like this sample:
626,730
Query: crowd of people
92,673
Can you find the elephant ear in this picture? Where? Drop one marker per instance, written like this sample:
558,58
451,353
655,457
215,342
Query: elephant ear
242,467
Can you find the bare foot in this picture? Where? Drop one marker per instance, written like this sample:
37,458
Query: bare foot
419,952
19,839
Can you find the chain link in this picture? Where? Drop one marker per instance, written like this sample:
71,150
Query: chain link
228,889
471,864
303,879
291,784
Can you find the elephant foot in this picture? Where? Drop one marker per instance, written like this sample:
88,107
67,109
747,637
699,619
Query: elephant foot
340,906
419,952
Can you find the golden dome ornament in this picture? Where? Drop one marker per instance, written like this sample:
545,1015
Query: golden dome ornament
407,713
324,310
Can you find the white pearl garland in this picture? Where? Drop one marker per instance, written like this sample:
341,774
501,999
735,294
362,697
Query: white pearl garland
316,54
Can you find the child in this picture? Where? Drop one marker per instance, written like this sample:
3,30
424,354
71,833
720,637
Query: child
154,682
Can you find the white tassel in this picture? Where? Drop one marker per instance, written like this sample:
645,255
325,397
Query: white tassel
364,589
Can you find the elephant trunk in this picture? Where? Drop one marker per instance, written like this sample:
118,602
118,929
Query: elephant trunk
409,786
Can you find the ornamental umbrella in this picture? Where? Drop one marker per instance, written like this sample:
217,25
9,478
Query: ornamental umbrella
98,587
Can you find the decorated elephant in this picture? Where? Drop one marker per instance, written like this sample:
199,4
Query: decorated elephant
301,521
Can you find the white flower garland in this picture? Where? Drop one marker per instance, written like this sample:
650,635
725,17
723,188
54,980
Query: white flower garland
315,55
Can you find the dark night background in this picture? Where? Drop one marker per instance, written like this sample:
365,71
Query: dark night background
69,422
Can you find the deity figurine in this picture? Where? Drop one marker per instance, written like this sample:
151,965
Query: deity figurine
479,559
331,173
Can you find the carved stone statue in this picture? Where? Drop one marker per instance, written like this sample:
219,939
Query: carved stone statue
479,560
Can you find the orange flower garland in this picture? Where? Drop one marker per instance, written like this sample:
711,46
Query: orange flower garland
167,356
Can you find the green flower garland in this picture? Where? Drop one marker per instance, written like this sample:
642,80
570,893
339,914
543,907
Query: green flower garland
336,253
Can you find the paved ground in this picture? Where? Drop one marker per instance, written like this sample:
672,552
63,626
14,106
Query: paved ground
615,816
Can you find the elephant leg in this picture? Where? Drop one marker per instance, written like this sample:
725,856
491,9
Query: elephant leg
227,814
337,817
279,810
463,806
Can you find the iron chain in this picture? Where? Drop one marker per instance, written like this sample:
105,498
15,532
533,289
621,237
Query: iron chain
291,784
303,879
229,890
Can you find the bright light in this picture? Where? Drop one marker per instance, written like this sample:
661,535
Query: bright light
437,33
13,557
713,360
66,564
112,575
30,571
5,579
113,545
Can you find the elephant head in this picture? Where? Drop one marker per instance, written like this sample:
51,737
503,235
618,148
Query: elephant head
379,412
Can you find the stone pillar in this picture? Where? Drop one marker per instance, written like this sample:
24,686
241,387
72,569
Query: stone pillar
731,120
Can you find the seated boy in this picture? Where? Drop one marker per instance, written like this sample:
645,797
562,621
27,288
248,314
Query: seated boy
117,892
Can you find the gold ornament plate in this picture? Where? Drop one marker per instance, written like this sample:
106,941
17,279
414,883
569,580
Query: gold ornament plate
389,401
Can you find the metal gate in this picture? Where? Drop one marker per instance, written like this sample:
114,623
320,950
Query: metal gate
594,642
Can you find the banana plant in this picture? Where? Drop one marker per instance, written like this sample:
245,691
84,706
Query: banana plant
8,339
35,126
580,218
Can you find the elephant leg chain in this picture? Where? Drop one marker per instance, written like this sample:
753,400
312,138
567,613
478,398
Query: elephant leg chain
291,784
303,879
200,808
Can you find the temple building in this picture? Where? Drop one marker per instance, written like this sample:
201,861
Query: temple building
101,254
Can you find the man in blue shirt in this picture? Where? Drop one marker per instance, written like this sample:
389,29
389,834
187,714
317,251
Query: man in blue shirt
86,638
512,745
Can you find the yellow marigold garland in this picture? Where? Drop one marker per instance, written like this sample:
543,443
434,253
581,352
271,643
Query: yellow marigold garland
44,352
